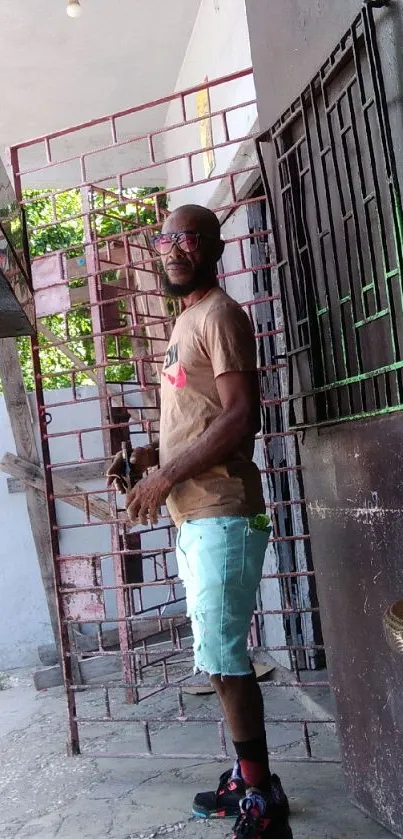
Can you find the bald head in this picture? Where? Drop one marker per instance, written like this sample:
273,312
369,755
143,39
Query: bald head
190,261
197,217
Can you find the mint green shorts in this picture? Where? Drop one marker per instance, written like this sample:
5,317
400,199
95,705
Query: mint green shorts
220,561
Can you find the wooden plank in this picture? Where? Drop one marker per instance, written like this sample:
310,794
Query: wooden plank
17,310
96,668
82,472
47,655
53,339
48,677
32,475
21,423
93,669
73,474
80,295
84,644
155,630
14,485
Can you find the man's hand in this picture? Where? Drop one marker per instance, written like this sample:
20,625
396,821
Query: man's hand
141,459
146,498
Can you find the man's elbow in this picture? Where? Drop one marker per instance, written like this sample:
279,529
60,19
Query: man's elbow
252,418
245,422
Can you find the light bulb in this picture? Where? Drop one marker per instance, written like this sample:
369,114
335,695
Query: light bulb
73,8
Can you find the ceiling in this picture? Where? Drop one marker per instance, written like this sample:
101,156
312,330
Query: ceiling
57,71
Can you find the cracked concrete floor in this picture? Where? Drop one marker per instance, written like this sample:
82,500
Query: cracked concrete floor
45,794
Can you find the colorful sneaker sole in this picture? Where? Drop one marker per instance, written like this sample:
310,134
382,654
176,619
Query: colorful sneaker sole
199,813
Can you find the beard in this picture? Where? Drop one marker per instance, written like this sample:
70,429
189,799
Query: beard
180,289
201,279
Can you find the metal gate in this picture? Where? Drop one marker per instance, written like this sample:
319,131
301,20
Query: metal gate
103,323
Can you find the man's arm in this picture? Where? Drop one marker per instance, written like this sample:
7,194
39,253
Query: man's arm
240,417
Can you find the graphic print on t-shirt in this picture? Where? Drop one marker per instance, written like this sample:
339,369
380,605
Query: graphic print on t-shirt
177,374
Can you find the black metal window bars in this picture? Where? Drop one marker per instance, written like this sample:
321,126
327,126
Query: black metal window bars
339,237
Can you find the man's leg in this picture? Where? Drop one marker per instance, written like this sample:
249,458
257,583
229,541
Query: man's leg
264,810
222,563
242,702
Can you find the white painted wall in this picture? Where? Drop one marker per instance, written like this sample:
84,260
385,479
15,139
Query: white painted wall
219,46
240,287
143,44
24,617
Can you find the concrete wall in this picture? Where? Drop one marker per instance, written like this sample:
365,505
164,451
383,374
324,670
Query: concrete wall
24,618
290,40
219,46
354,466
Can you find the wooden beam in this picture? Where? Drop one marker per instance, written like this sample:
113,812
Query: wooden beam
82,472
32,475
21,424
80,295
73,474
94,669
53,339
14,486
83,643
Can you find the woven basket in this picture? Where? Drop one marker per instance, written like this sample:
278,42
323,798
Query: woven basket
393,623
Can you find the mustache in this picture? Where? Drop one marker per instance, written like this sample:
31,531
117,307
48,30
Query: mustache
178,262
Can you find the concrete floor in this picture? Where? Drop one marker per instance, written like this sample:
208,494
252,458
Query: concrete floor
45,794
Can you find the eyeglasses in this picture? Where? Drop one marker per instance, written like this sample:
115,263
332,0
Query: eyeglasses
187,240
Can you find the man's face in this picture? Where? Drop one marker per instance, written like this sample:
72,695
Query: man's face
190,262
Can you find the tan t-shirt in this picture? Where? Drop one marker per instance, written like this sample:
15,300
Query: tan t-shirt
212,337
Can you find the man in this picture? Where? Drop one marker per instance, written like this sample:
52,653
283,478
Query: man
210,413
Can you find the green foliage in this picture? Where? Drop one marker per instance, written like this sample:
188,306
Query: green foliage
55,223
63,232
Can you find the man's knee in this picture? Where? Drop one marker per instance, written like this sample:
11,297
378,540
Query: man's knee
217,683
230,685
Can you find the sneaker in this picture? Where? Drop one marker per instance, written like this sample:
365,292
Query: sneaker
278,796
262,818
225,801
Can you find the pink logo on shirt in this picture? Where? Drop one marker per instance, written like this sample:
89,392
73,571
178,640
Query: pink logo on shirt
177,374
178,377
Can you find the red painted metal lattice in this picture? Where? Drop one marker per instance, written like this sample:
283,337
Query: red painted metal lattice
103,314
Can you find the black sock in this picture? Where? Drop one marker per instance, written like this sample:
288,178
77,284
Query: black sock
254,762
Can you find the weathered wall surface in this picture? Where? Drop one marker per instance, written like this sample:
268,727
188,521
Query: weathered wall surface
352,472
354,487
